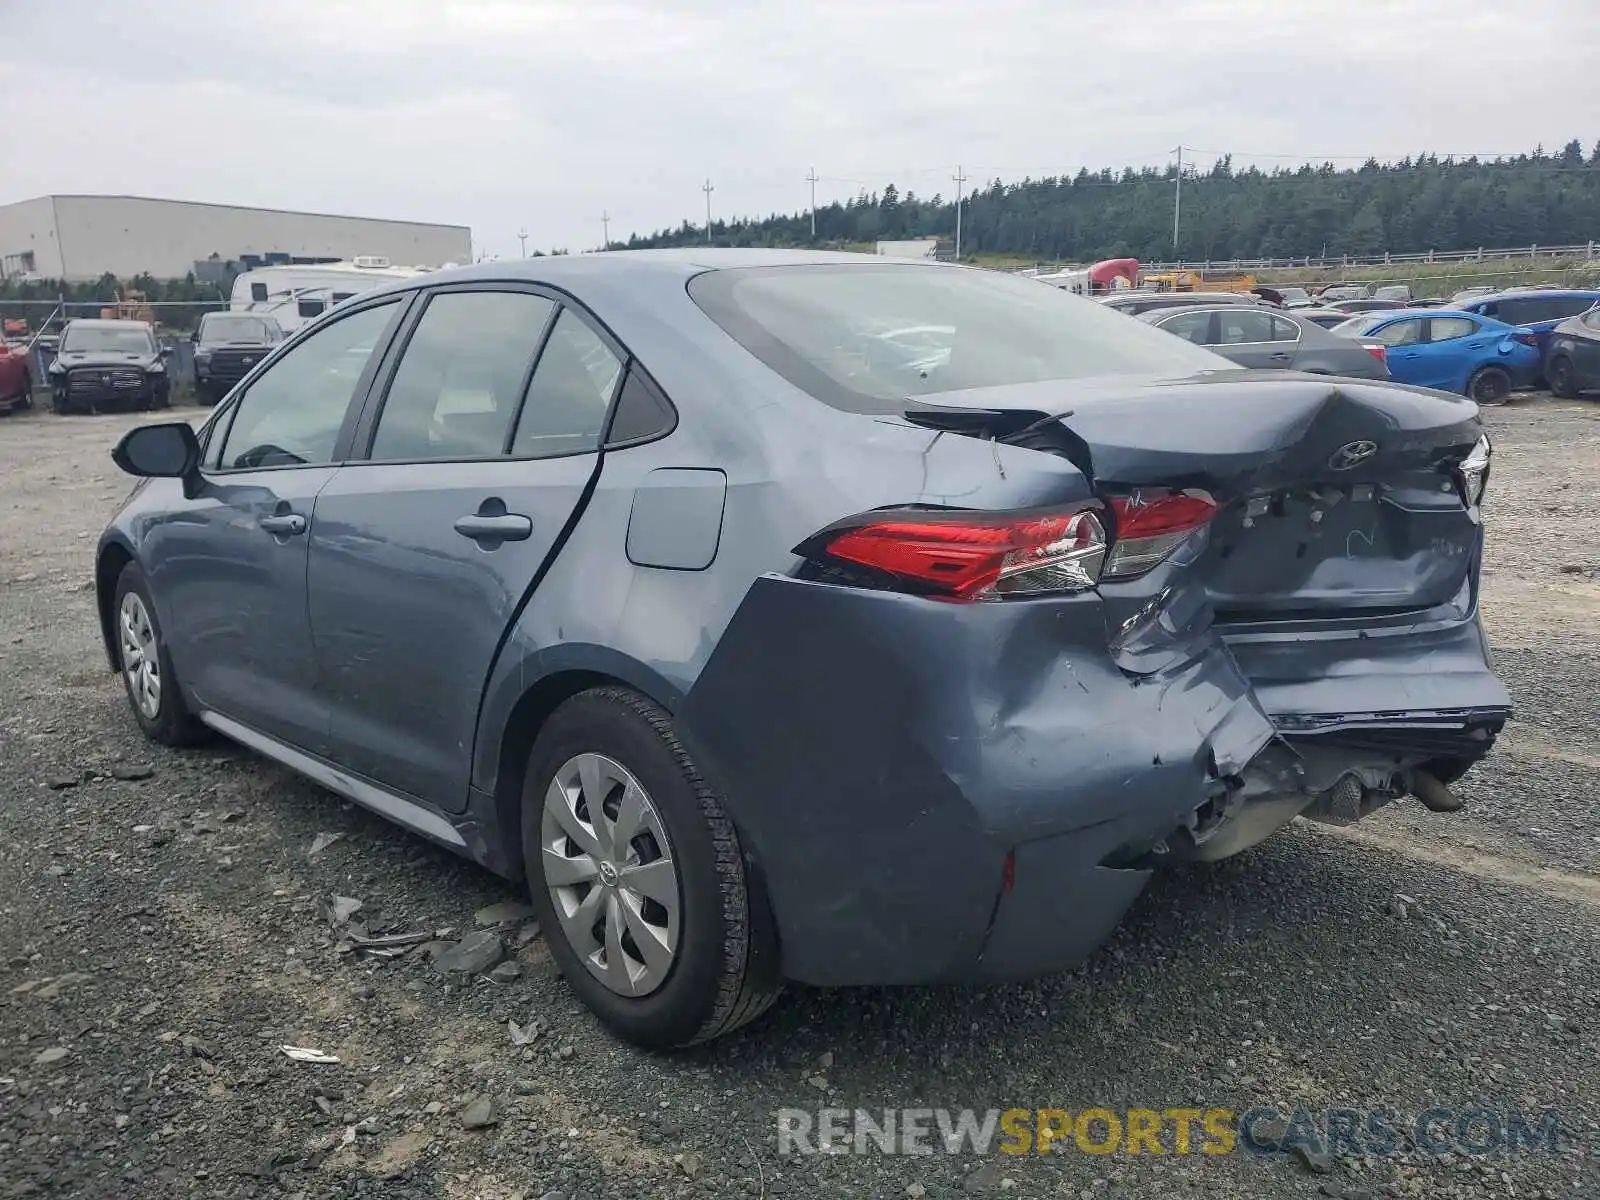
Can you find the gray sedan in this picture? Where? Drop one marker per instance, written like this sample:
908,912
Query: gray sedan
1254,337
791,616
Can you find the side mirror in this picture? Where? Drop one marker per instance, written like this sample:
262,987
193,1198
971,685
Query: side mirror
166,451
166,352
194,335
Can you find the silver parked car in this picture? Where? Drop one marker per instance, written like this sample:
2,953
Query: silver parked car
1274,340
792,616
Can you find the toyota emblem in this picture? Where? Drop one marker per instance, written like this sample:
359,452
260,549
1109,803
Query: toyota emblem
1352,454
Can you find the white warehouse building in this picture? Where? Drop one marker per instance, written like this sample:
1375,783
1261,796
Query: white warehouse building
77,238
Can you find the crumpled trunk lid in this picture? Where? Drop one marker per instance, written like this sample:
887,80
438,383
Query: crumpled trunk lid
1340,570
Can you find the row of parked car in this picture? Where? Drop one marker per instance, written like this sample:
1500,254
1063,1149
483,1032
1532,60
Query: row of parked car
1481,343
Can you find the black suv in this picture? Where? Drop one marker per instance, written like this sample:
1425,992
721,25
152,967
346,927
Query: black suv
227,346
109,366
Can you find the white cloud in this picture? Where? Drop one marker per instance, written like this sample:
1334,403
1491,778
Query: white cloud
543,113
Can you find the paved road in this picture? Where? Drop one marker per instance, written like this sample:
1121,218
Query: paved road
161,937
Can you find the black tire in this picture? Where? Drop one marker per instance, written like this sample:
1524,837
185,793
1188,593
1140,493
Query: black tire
1563,381
172,724
725,972
59,405
1489,386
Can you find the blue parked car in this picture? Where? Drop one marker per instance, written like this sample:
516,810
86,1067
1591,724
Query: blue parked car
1540,309
1451,350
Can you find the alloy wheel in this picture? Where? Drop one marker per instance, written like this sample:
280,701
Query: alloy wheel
141,655
608,865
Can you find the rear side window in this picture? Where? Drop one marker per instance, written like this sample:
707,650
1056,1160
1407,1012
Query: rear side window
1284,330
570,394
456,391
1447,329
823,329
258,292
1243,327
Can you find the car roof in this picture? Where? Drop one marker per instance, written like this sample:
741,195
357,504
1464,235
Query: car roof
1541,293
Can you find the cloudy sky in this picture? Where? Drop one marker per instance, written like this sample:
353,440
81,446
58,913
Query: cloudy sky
543,114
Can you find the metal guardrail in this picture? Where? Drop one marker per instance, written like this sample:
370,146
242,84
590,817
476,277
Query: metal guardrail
1314,262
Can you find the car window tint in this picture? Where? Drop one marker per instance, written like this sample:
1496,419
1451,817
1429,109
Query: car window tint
1401,333
291,415
1284,330
1446,329
1238,328
456,390
1559,308
570,393
1192,327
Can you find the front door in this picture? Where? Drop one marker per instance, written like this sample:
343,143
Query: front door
424,553
231,561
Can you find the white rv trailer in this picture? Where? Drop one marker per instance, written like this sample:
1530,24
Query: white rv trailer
296,294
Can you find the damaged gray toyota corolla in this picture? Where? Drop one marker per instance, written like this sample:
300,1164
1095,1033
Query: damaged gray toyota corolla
811,617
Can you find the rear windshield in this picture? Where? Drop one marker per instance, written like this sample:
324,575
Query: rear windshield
864,337
247,330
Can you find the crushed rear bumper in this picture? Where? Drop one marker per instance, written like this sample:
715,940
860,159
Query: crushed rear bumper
883,754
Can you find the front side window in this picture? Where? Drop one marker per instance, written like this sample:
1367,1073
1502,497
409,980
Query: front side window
311,308
459,383
570,393
821,328
1447,329
292,414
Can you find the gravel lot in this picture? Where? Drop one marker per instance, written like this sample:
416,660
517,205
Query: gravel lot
163,931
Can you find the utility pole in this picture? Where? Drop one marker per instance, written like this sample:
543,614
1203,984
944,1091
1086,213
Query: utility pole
960,179
708,189
1177,203
605,226
522,236
812,180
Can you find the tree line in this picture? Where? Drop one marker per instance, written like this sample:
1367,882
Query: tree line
1411,206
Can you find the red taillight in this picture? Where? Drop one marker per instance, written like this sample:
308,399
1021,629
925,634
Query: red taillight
970,555
1377,350
1526,338
1150,525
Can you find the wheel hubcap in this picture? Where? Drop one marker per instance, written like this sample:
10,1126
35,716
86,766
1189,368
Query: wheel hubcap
608,867
141,655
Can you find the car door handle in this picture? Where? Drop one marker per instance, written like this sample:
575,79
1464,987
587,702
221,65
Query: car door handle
503,527
1280,356
284,524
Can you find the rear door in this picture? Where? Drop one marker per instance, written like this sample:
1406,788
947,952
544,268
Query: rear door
478,453
1247,335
